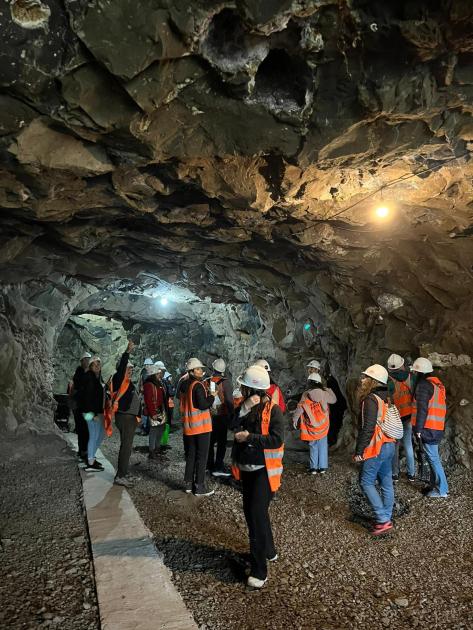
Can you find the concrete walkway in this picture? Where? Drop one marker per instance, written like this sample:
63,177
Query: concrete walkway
134,586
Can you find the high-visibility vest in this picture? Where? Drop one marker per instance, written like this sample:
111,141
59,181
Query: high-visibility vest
194,421
315,421
111,402
276,396
402,396
437,409
272,456
378,438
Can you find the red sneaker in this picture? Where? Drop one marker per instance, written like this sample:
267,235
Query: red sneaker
381,528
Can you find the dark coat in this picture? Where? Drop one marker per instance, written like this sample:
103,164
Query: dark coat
92,394
125,401
368,418
200,398
252,451
422,394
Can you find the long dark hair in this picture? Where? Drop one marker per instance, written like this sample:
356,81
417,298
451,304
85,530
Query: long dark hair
153,378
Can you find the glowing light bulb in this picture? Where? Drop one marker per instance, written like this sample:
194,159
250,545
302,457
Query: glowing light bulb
164,301
382,212
307,326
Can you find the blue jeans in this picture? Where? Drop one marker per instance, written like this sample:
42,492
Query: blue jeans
408,449
380,468
144,422
96,431
438,474
318,453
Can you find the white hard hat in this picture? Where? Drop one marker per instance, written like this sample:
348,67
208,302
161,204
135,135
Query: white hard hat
86,355
314,364
194,363
315,376
148,362
160,365
256,377
378,372
422,365
263,363
95,360
395,361
219,365
152,369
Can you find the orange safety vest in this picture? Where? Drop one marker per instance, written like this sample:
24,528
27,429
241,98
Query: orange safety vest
437,409
194,421
402,396
275,393
272,456
315,421
111,403
379,438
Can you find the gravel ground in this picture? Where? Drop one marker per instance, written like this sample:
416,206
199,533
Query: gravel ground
47,573
330,574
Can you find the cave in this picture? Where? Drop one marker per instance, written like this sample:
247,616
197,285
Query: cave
238,180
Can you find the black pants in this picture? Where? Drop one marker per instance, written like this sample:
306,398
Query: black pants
82,431
218,437
257,496
126,424
196,448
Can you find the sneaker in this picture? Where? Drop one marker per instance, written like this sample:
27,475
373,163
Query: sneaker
411,478
95,467
273,559
426,490
203,492
221,473
322,471
381,528
313,471
435,494
255,583
395,478
188,488
122,481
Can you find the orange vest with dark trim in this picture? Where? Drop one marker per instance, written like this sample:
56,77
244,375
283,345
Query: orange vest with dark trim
111,403
378,438
272,456
194,421
437,409
402,396
314,422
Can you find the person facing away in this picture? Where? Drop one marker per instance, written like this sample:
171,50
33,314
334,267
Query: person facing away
374,449
312,417
92,402
428,417
257,458
195,403
274,390
155,399
75,393
222,414
127,414
147,363
400,391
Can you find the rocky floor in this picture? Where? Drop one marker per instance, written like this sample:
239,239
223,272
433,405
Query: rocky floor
330,574
47,573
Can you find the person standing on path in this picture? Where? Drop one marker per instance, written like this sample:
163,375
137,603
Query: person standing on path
257,462
400,392
428,417
312,417
127,414
374,449
147,363
222,415
195,403
75,392
92,401
155,408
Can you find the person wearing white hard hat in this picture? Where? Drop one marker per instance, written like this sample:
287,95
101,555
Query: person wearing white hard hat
144,425
92,402
222,415
195,403
170,393
428,417
75,388
312,418
313,367
257,461
274,391
155,403
400,391
374,449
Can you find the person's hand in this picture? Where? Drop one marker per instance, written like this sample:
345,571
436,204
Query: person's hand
241,436
357,458
252,401
418,436
130,347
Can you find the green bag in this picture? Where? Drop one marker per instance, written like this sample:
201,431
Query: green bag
165,436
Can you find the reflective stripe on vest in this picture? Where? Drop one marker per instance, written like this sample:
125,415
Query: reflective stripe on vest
194,421
402,396
272,456
437,409
378,438
314,420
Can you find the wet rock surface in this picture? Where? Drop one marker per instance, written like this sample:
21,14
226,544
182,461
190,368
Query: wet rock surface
330,572
47,572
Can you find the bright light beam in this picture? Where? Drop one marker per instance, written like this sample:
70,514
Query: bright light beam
382,212
164,301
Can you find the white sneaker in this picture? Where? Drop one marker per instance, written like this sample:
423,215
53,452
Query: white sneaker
255,583
273,559
122,481
204,493
221,473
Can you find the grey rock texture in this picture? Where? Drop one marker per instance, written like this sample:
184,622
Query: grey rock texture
221,147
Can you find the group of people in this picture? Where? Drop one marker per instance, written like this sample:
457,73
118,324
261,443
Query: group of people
254,412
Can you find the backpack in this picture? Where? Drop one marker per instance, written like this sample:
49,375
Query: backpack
391,424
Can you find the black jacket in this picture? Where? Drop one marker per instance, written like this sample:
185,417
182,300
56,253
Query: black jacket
227,410
125,401
252,451
423,393
200,398
92,394
78,379
368,418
